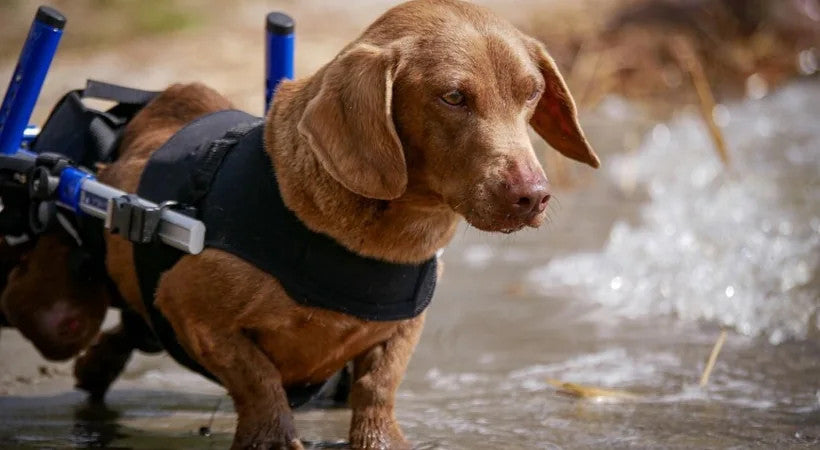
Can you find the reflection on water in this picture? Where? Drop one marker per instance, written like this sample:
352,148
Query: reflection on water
68,421
95,425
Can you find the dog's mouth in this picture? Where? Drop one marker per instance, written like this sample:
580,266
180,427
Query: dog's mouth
510,230
503,224
483,212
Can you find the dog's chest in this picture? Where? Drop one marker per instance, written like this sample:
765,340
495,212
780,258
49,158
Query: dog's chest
314,343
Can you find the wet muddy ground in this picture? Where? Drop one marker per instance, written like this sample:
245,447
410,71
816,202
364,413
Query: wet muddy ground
493,338
479,377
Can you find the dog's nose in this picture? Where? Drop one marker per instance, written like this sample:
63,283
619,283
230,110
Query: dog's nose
532,200
526,192
528,199
69,326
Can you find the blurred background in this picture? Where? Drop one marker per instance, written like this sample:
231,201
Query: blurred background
704,218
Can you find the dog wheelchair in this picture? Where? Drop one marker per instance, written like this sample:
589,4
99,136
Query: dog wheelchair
49,173
38,177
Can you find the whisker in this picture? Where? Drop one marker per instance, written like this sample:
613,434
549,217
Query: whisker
556,202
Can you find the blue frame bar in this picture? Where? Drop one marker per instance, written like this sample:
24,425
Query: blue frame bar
28,77
70,188
278,52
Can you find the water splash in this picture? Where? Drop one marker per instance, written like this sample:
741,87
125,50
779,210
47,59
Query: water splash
739,247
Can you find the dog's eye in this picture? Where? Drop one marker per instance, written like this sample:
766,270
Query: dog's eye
454,98
535,93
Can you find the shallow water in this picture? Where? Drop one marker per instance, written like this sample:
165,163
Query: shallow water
495,334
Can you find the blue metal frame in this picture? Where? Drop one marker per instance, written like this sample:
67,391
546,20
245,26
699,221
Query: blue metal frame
279,44
28,77
74,184
69,190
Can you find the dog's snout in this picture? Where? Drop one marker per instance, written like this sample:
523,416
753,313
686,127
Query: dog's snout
526,191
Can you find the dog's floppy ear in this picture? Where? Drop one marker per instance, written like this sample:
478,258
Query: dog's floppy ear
349,124
555,117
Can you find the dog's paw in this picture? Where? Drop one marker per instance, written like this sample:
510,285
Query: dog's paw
376,433
268,444
267,432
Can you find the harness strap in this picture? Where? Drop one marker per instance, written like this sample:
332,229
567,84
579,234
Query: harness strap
103,138
87,135
119,94
87,265
105,128
203,176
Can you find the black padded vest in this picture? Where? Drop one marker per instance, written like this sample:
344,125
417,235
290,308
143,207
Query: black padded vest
217,164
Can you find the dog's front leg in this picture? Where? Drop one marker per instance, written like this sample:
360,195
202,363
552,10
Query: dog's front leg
377,374
100,365
265,420
103,362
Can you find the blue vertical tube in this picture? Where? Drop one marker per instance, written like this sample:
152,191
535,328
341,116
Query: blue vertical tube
278,52
28,77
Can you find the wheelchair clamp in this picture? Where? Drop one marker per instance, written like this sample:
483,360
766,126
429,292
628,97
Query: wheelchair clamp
41,215
43,181
133,219
42,184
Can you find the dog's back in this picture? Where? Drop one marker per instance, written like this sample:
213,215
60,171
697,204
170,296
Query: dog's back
155,124
147,131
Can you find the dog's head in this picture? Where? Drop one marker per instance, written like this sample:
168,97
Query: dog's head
436,96
57,310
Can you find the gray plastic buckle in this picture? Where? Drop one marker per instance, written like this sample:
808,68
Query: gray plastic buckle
132,219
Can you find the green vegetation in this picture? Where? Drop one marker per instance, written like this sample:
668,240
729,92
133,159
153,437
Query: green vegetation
96,23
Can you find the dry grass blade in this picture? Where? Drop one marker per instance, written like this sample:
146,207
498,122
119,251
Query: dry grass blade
707,371
581,391
684,52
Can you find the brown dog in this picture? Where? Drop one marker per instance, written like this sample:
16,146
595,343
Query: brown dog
59,312
57,298
419,122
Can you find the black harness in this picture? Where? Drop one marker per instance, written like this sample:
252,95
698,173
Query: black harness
228,180
217,170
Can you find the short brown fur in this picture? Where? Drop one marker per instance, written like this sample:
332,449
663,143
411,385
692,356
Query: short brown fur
366,153
57,311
